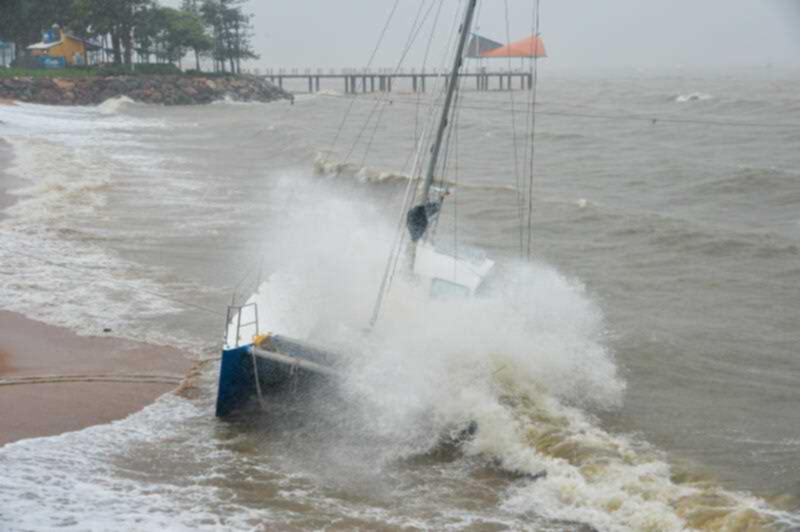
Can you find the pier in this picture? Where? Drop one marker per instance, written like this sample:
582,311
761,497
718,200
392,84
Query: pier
354,81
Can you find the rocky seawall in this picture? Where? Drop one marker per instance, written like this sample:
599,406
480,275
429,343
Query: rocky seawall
166,90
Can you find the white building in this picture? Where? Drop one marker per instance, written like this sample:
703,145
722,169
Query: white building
7,53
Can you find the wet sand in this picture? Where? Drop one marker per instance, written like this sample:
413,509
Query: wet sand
99,379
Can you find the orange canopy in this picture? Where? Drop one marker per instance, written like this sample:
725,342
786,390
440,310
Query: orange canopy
529,47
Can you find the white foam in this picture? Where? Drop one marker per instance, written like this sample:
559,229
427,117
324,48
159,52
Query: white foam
693,97
231,99
80,286
71,481
55,267
74,125
114,105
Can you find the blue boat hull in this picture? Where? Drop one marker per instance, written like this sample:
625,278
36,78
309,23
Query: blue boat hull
238,371
237,385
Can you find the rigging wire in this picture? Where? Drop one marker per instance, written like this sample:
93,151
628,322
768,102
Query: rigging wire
449,146
400,234
415,29
435,104
399,240
369,64
445,160
455,184
383,107
455,201
419,158
424,65
535,75
517,178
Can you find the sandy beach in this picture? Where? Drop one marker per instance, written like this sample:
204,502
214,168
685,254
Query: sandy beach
54,381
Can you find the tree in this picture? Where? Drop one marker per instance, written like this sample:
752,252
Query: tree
241,45
232,31
148,34
22,21
199,40
117,18
139,26
173,31
212,15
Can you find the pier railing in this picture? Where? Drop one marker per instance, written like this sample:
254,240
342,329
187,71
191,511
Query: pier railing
386,80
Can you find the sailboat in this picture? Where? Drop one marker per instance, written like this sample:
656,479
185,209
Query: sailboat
256,363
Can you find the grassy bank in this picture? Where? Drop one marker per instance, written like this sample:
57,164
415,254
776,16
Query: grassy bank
105,70
42,73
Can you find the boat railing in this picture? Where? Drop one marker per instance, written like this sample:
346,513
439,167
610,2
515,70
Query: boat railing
235,325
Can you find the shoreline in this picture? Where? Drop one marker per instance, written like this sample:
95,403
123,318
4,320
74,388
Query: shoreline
6,180
153,89
53,381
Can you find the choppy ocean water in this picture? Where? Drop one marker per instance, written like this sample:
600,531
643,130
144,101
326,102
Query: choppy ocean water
646,359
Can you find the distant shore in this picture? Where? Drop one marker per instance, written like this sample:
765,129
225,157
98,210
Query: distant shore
53,381
155,89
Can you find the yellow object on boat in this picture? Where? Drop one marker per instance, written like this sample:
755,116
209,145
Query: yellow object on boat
262,340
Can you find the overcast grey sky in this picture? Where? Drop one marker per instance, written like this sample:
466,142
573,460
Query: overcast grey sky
577,33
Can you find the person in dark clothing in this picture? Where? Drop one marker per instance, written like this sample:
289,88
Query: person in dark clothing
418,218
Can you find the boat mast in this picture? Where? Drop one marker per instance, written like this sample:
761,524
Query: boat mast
419,216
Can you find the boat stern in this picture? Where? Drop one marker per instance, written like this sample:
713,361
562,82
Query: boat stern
236,379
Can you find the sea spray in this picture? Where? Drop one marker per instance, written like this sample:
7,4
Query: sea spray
525,361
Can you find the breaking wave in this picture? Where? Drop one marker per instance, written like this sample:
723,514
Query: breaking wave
115,105
693,97
330,168
526,361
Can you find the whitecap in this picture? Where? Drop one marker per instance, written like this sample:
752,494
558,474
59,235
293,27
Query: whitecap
693,97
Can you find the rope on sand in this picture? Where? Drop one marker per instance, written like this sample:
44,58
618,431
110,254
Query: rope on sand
121,378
